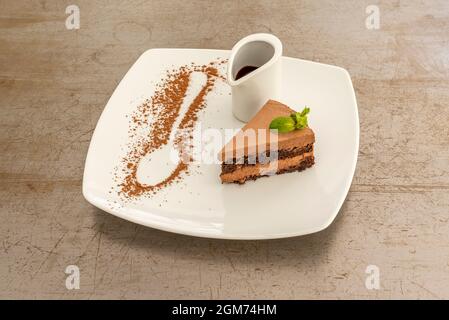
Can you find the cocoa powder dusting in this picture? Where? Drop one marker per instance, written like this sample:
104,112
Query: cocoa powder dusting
157,115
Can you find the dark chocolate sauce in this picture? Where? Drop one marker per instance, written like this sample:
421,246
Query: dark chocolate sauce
244,71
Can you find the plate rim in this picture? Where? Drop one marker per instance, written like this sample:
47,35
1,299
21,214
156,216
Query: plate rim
93,200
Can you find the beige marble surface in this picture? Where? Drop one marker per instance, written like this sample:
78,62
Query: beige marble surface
55,82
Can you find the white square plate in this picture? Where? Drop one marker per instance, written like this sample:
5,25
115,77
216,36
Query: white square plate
287,205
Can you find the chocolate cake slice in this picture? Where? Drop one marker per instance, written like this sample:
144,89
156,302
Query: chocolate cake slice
256,151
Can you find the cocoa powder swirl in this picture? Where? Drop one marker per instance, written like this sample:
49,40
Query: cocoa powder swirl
158,114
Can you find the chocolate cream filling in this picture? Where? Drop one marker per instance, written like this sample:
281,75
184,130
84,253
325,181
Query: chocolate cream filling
296,163
250,161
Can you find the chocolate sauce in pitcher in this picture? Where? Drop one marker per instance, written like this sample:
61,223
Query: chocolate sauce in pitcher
244,71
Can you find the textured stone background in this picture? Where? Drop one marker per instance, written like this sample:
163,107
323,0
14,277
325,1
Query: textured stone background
55,82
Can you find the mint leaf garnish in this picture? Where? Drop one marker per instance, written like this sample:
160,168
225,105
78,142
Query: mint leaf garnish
283,124
296,121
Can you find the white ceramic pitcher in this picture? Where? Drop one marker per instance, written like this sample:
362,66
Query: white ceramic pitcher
250,92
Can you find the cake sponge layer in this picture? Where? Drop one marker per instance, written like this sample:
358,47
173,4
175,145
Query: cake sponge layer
252,172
